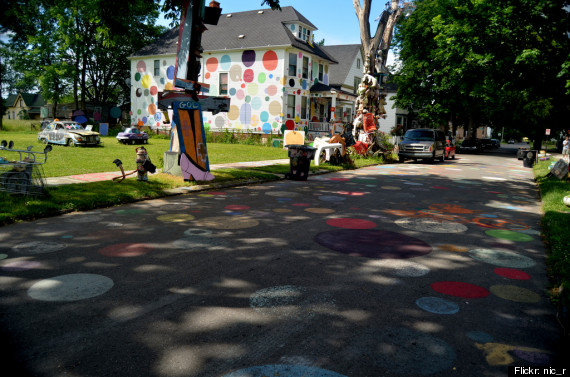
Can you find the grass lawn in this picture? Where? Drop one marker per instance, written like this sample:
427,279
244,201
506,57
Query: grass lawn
64,160
556,230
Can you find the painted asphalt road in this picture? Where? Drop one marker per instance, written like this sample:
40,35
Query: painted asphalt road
394,270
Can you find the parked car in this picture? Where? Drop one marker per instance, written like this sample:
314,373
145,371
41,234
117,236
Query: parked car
496,143
422,143
68,133
449,149
487,143
511,141
132,136
472,144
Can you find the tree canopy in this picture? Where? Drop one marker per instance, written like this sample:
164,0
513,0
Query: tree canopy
499,63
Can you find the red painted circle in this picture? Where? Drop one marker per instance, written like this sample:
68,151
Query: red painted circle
301,204
237,207
511,273
459,289
248,75
349,223
290,124
126,250
270,60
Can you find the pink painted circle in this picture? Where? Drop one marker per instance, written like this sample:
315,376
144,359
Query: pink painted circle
126,250
460,289
351,223
511,273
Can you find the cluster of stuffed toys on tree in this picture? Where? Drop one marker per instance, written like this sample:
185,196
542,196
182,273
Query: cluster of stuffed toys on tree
369,101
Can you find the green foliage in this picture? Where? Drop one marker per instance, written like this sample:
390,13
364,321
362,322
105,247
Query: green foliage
502,63
555,228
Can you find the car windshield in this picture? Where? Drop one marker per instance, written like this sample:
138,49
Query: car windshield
418,135
73,126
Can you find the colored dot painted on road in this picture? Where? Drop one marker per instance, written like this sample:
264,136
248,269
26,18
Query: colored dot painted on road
227,222
322,211
371,243
437,305
339,179
351,223
431,225
3,256
237,207
509,235
514,293
126,250
534,357
38,247
459,289
134,211
289,370
175,217
21,265
480,336
453,248
394,188
501,258
404,268
283,194
499,354
511,273
73,287
82,219
301,204
331,198
282,210
401,351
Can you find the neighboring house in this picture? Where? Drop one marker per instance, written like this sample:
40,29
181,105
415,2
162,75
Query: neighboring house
24,106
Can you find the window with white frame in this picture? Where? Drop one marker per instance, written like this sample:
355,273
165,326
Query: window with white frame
292,64
305,67
321,72
358,63
304,34
223,83
303,107
157,67
291,106
357,81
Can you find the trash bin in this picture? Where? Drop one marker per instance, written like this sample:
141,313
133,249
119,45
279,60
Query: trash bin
521,152
300,157
529,158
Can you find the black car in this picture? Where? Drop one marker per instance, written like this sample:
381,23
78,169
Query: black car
473,145
487,143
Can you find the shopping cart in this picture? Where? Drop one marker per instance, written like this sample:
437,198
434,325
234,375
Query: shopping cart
21,171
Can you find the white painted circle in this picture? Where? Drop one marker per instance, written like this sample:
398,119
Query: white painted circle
38,247
73,287
431,225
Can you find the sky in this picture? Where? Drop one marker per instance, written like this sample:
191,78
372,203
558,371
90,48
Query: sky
335,20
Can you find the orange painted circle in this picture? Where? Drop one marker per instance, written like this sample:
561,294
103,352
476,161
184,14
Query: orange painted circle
212,64
270,60
152,109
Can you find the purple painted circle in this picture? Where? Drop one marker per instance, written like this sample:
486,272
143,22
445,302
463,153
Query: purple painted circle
372,243
248,58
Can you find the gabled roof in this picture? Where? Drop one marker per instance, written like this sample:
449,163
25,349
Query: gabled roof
345,55
260,29
30,99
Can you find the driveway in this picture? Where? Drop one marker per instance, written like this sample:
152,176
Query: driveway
396,270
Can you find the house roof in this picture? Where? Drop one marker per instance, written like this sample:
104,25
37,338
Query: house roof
34,101
345,55
259,28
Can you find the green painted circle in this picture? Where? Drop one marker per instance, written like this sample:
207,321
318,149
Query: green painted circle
509,235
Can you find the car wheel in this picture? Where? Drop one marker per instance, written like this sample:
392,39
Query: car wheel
44,141
132,142
70,143
145,141
443,157
401,159
453,156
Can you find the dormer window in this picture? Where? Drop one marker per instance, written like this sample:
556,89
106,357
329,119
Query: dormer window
304,34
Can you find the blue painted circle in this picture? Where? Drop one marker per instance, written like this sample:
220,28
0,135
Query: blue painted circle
225,62
170,72
437,305
480,336
233,91
283,370
266,128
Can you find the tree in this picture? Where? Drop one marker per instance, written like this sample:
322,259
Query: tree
485,63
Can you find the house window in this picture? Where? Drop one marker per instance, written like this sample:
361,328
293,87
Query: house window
157,67
321,72
358,63
303,107
223,83
305,67
292,64
291,106
357,81
304,34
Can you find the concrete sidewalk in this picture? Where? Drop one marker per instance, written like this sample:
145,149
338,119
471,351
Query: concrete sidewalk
107,176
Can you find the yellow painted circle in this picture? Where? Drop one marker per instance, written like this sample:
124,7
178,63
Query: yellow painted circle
281,210
175,217
514,293
275,108
320,210
146,81
233,114
227,222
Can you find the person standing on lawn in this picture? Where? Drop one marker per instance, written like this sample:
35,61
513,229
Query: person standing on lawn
566,149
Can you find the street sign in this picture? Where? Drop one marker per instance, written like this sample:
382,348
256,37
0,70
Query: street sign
548,131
